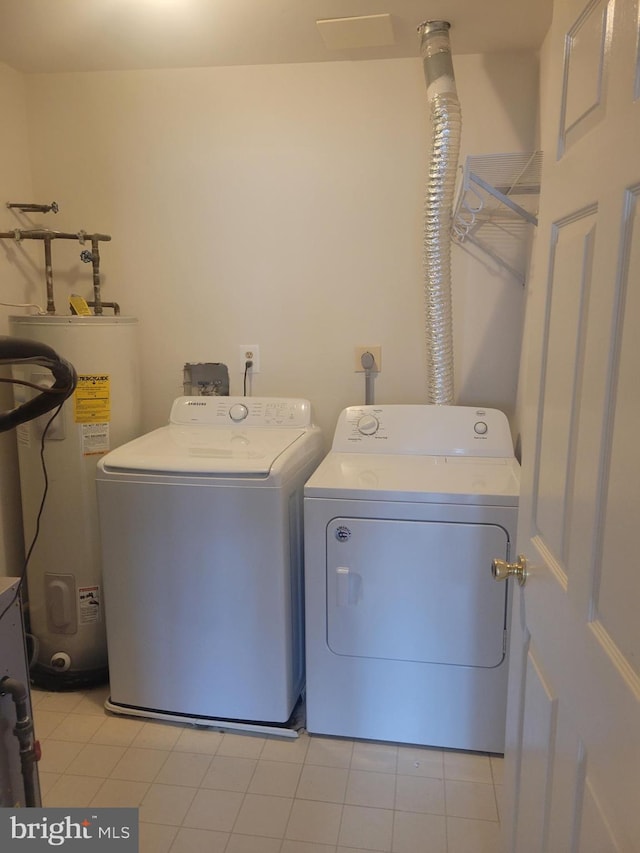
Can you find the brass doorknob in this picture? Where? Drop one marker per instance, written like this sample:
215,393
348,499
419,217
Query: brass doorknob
501,570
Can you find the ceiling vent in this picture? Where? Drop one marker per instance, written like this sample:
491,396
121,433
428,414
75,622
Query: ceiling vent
361,31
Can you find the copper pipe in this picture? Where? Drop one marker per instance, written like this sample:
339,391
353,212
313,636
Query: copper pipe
114,305
42,233
28,207
47,236
95,260
48,272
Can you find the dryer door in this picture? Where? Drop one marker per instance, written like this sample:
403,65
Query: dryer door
415,591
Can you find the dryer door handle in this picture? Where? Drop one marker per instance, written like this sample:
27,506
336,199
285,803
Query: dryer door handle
348,585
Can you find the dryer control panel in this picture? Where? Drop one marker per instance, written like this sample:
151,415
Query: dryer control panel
245,411
426,430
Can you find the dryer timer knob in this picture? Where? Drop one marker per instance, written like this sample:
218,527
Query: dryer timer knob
368,425
238,412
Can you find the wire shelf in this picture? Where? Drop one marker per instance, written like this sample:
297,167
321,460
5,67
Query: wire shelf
497,206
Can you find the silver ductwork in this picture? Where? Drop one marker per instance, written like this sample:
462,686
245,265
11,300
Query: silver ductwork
446,127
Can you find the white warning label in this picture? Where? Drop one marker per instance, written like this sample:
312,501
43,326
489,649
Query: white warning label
94,438
89,607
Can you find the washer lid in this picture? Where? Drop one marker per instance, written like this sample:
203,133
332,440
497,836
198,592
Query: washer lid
423,479
203,450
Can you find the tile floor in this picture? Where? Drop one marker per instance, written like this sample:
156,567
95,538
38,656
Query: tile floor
204,791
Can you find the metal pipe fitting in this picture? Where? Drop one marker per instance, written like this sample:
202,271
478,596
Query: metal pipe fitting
24,735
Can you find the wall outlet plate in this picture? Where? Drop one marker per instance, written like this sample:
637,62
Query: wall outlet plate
376,352
250,352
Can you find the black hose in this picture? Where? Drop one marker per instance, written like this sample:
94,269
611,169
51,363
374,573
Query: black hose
18,350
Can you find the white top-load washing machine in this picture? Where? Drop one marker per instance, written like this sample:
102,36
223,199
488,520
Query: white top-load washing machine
201,527
406,630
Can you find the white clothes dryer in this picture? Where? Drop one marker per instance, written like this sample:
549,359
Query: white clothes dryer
406,630
201,529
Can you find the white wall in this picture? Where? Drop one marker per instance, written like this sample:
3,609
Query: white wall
279,205
17,276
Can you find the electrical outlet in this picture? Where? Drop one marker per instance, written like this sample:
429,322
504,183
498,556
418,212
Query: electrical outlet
250,352
376,352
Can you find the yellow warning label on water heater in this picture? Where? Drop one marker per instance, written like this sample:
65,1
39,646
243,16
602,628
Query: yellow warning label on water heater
92,399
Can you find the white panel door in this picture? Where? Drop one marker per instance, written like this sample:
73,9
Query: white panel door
573,739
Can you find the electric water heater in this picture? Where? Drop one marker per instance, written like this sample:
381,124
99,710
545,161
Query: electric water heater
64,578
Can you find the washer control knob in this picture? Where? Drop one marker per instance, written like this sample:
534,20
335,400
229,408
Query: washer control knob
480,428
238,412
368,425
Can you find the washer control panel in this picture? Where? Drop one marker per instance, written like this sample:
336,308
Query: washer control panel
238,412
424,429
245,411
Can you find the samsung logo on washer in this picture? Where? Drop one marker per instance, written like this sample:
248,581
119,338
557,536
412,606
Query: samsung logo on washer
194,403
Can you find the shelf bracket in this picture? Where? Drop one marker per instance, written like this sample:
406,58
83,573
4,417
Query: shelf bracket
504,199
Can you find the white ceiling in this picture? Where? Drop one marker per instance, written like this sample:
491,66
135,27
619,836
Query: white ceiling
94,35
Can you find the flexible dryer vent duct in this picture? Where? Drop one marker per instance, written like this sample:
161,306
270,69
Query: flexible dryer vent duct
446,125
